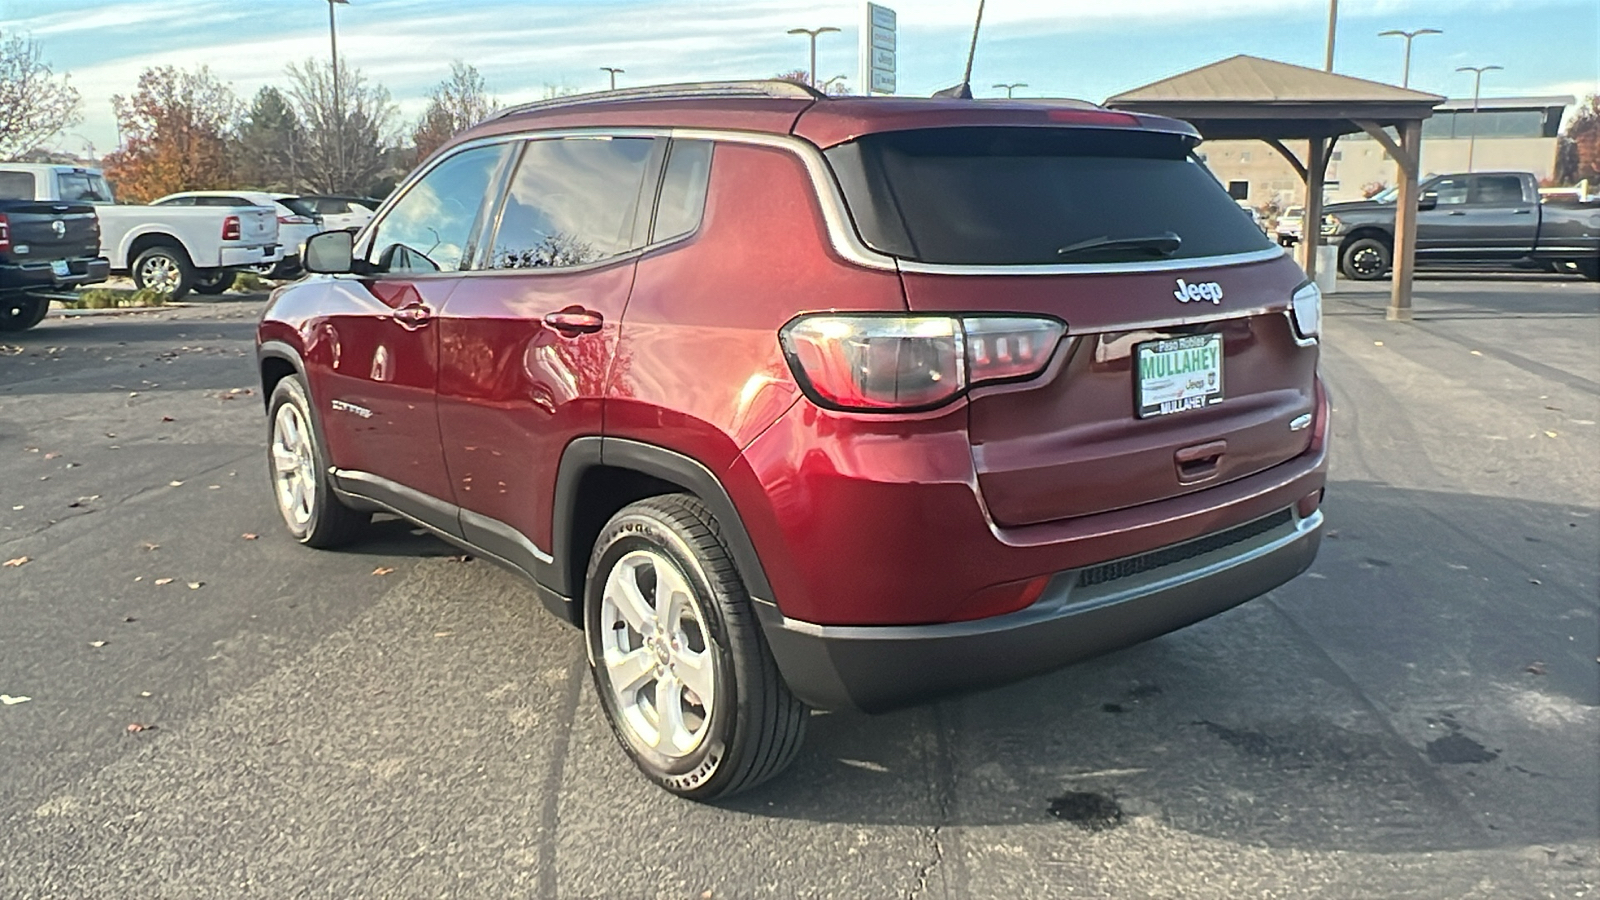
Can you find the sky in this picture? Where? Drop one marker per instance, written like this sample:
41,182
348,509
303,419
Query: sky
1089,49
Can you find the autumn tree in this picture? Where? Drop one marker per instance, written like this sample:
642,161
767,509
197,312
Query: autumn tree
348,133
176,129
35,105
454,103
1578,151
270,143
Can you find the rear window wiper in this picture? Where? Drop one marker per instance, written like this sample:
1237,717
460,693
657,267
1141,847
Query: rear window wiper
1164,244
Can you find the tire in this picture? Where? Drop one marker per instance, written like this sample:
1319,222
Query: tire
298,465
1365,259
19,312
164,268
214,282
752,727
1589,268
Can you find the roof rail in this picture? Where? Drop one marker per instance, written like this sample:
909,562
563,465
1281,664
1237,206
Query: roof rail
774,88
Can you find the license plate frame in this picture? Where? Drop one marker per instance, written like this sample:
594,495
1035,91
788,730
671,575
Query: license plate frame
1177,374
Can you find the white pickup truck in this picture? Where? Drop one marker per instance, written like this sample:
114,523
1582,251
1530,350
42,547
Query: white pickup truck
167,248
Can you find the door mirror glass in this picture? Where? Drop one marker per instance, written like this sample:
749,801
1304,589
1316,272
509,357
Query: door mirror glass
1429,201
329,252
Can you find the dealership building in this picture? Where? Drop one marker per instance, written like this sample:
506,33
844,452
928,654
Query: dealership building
1512,134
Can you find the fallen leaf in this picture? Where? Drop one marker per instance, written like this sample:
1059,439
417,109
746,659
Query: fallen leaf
1477,353
13,563
51,455
174,484
168,419
150,546
161,581
1534,668
9,700
250,536
1549,434
382,570
1377,343
462,558
196,585
213,487
443,633
135,728
17,508
1534,581
97,644
144,693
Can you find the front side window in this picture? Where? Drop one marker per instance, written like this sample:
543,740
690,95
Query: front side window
572,201
432,227
1451,191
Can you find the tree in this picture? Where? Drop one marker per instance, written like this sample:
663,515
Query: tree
457,102
176,129
1373,188
1578,150
35,105
798,76
346,147
270,143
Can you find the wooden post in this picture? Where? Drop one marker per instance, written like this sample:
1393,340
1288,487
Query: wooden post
1405,222
1311,225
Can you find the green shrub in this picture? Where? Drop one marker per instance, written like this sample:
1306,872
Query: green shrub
250,282
115,298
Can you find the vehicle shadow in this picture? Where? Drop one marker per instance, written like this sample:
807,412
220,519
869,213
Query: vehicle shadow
1386,701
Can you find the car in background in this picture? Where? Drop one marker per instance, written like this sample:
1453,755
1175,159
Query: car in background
44,247
296,222
165,249
341,213
1290,225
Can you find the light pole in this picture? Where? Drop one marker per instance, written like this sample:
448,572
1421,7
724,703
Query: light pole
1405,74
338,111
1333,26
827,85
613,73
1477,82
1008,88
812,33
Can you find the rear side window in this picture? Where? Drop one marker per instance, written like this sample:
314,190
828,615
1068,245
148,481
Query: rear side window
431,228
16,186
1017,196
683,190
1496,190
174,201
573,201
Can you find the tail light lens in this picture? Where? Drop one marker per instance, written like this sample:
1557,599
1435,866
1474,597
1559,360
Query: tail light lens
230,228
903,363
5,234
296,220
1307,305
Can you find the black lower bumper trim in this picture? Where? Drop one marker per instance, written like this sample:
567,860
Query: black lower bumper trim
879,668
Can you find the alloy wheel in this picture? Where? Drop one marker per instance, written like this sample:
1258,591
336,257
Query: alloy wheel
160,273
293,466
660,667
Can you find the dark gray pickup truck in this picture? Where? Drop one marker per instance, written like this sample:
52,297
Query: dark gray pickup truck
45,246
1494,218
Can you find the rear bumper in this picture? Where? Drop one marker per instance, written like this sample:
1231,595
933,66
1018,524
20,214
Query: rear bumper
261,254
1083,613
42,276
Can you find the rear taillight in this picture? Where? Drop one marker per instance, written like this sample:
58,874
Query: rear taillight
5,234
902,363
230,228
1307,310
296,220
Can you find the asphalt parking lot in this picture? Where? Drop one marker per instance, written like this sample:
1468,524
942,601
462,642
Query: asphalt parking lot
1416,717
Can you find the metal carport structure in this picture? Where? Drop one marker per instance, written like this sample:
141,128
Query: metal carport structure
1246,97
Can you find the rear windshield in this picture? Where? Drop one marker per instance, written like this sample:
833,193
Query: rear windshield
1017,196
298,206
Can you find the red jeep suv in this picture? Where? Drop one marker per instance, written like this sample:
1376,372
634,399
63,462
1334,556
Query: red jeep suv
792,401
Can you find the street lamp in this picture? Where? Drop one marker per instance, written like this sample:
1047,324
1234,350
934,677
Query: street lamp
338,112
812,33
613,73
1477,82
1405,75
827,85
1008,88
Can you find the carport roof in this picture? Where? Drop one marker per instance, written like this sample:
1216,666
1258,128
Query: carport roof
1250,97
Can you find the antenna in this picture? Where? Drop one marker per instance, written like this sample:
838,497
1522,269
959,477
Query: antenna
963,91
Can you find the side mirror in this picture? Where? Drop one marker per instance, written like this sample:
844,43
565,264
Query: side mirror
329,253
1428,201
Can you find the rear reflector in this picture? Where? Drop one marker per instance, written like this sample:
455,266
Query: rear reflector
1001,599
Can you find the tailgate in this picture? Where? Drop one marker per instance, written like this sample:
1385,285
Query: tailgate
1074,442
52,230
257,225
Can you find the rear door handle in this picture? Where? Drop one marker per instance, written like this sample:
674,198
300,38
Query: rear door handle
1457,213
575,320
414,316
1523,212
